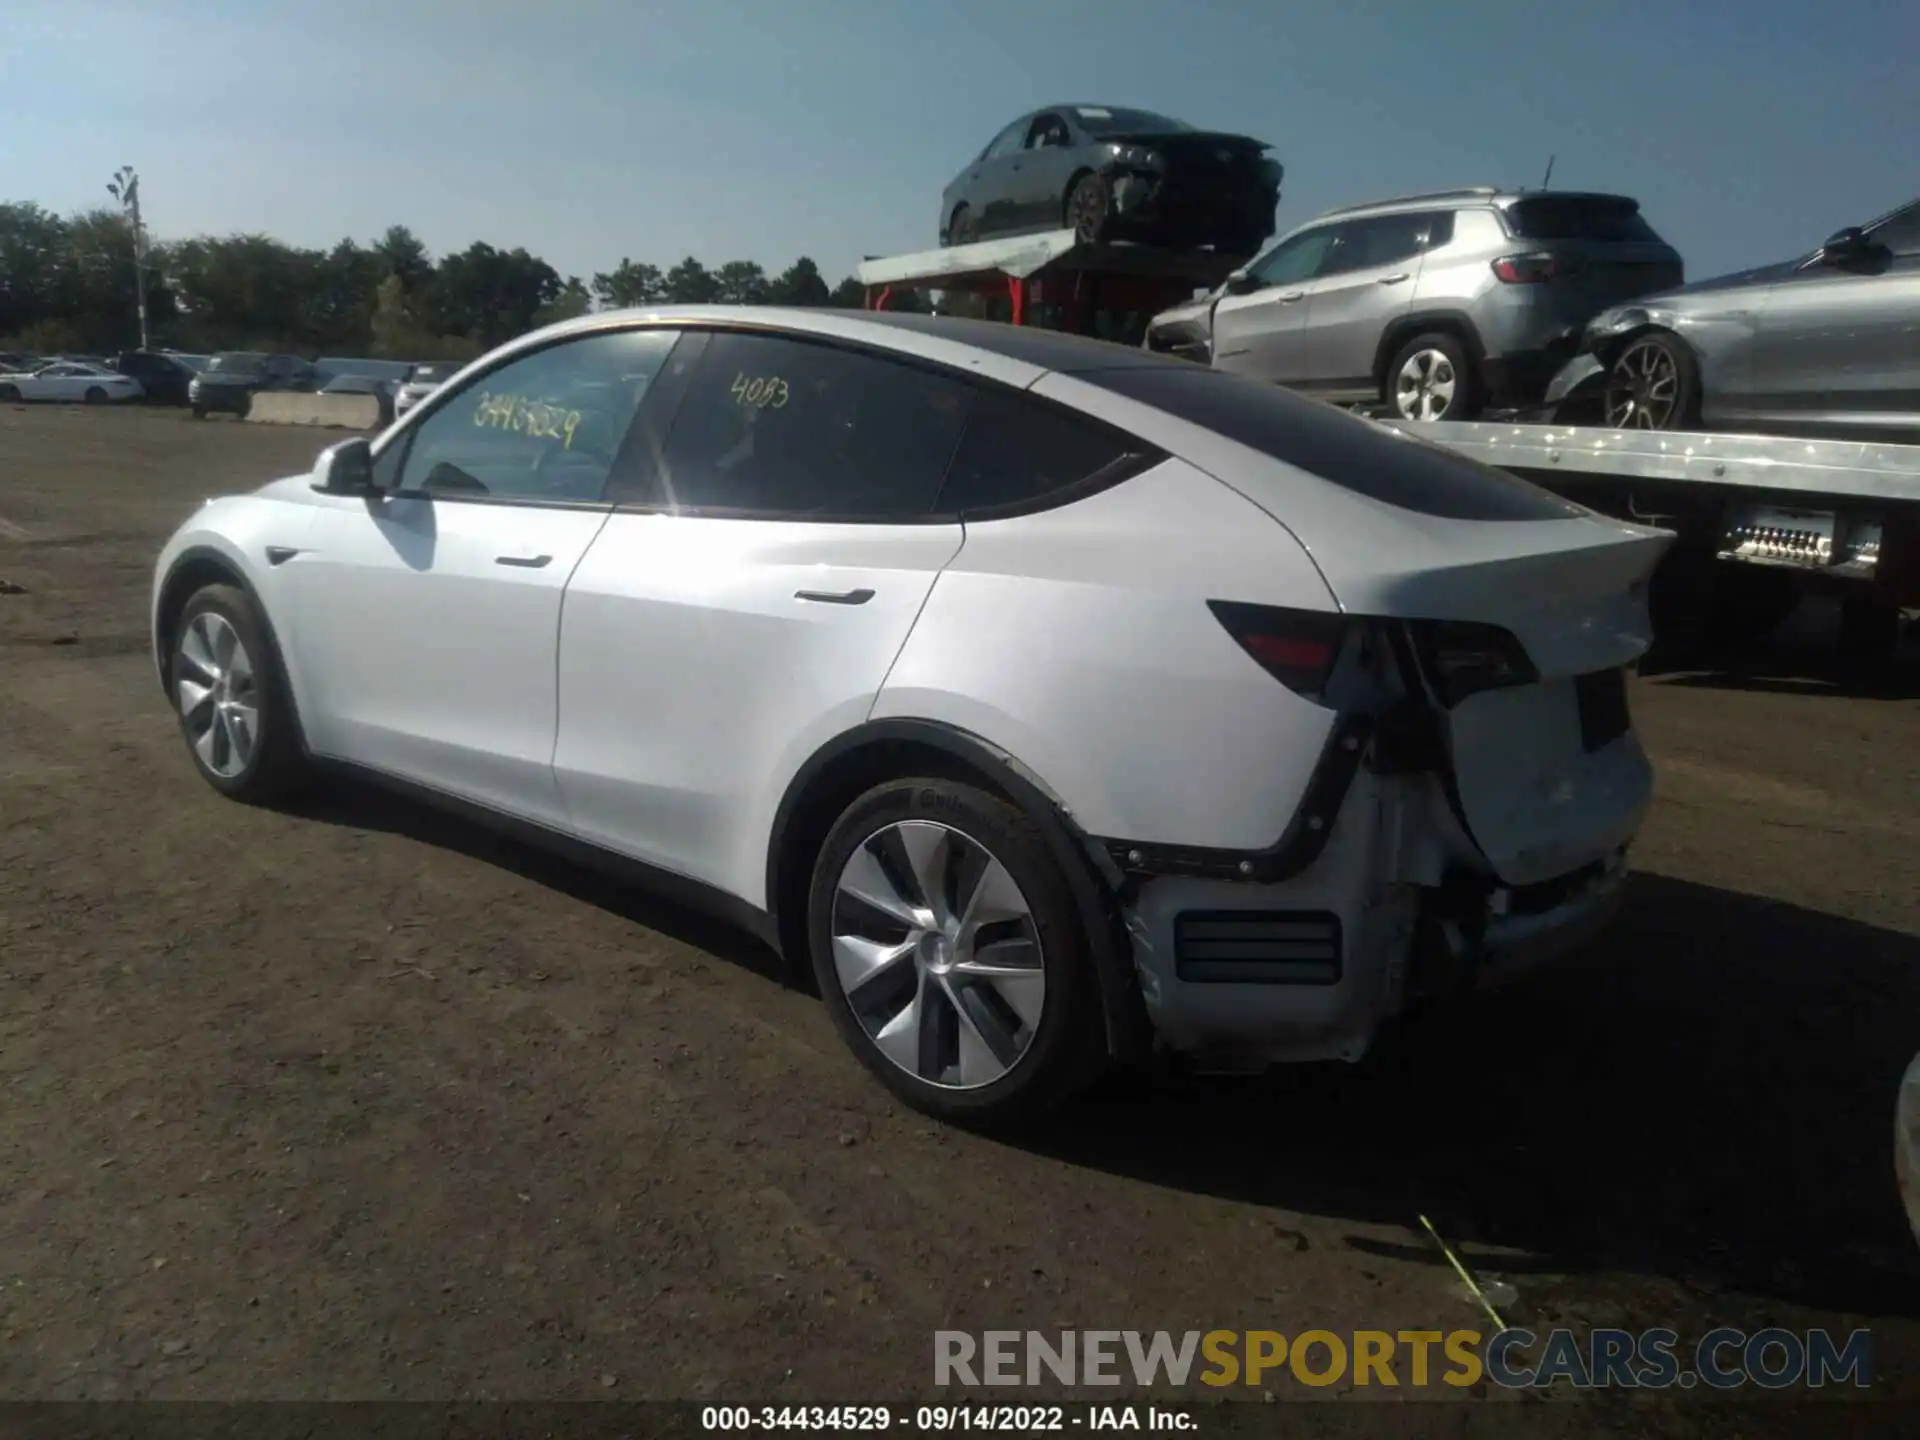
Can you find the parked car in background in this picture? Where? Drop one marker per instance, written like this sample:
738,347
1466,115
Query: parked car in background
163,377
192,362
771,605
1435,305
69,380
14,361
381,390
1116,174
233,377
422,381
1827,343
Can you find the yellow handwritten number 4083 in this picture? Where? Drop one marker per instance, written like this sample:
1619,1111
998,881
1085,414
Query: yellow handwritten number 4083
762,392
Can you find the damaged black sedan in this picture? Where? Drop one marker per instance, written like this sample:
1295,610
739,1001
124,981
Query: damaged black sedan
1115,174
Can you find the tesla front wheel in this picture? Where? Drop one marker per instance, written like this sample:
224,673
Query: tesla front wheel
232,699
950,953
1653,384
9,394
961,230
1432,378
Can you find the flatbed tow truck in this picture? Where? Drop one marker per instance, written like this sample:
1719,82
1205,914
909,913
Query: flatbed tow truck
1761,519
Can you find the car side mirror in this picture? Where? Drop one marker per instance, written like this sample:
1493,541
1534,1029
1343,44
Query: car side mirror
1241,282
345,469
1844,244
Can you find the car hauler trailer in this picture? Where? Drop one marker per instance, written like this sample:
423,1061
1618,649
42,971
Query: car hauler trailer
1761,518
1054,279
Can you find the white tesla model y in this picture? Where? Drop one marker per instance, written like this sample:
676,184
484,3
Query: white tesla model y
1053,700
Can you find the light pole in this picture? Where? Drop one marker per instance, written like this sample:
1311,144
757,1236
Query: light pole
125,187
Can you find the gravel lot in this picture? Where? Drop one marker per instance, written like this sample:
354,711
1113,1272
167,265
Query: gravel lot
363,1103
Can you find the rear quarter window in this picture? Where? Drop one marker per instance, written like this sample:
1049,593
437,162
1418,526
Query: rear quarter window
1581,218
1341,449
1020,453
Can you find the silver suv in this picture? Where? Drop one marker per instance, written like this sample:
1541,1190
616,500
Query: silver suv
1436,305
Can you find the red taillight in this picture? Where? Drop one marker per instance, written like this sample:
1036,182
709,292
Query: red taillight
1297,647
1526,269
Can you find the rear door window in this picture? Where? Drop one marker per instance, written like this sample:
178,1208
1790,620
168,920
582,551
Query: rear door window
1578,217
1380,240
1341,449
1019,452
778,428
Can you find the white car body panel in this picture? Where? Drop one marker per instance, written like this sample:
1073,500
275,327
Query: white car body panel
694,683
657,683
426,657
1128,657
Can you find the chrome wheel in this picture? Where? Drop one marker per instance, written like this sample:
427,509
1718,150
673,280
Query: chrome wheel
1425,387
218,695
936,951
1643,388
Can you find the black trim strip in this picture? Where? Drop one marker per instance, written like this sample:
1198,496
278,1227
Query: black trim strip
668,885
1299,844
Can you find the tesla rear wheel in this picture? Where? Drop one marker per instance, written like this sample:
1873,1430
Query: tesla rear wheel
1652,385
962,229
1432,378
949,951
9,394
232,699
96,396
1088,204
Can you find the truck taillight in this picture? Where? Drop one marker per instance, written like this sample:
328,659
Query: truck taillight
1526,269
1297,647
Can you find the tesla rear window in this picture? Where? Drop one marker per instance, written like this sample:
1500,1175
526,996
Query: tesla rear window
1578,219
1342,449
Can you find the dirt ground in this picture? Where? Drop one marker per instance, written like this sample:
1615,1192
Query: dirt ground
362,1103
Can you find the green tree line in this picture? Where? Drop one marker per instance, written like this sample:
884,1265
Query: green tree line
67,284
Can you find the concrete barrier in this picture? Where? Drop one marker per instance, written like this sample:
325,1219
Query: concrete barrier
343,412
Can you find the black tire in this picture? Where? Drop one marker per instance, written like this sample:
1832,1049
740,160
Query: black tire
199,412
95,395
9,394
1652,384
1088,208
962,229
244,407
1465,397
277,768
1066,1047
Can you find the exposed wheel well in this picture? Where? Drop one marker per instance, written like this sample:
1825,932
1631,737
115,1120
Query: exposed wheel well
194,574
826,794
1401,331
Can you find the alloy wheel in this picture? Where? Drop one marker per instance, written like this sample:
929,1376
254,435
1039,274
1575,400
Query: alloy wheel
1088,211
1643,388
218,694
1425,387
937,954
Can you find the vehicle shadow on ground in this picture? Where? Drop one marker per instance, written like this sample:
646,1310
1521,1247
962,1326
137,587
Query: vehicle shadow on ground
357,805
1708,1096
1802,657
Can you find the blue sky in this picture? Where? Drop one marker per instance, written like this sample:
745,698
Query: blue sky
763,129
